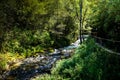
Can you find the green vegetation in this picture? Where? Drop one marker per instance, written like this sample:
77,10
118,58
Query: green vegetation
32,27
26,42
89,62
35,26
49,77
105,20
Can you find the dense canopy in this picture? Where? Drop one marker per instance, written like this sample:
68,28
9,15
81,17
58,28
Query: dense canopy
29,28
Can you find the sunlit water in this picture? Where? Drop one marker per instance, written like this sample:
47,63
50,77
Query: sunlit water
39,65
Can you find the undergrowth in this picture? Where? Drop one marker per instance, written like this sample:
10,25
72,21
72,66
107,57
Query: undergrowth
26,42
19,44
9,61
89,62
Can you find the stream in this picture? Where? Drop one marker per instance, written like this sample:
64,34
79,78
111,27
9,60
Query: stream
32,66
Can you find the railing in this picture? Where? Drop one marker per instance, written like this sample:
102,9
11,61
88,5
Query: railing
102,42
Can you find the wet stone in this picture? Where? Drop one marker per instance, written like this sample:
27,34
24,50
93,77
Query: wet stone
39,65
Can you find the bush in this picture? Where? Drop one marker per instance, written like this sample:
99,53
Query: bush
26,42
89,62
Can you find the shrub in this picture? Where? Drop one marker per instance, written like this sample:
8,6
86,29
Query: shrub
89,62
48,77
26,42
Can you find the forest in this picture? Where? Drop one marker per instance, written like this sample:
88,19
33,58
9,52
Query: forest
45,39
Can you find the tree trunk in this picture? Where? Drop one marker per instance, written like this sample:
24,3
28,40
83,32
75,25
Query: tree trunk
80,29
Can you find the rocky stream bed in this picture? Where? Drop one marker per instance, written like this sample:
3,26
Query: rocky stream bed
32,66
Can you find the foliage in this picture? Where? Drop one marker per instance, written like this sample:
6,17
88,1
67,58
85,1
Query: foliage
31,25
88,63
48,77
26,42
105,18
28,27
3,63
8,60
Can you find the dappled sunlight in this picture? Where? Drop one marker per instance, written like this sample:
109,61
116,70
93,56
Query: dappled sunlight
59,39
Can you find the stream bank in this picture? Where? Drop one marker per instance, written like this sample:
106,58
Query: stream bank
40,64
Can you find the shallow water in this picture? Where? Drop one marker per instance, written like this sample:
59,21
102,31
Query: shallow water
41,64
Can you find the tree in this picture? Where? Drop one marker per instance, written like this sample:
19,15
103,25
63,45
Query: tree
80,32
105,18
